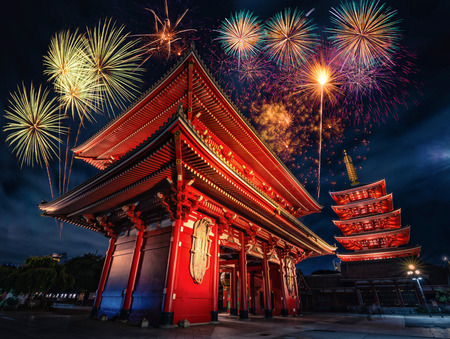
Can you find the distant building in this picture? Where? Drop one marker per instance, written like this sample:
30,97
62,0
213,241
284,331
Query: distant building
59,257
367,285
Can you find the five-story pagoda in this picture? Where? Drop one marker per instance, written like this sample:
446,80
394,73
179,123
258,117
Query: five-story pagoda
371,227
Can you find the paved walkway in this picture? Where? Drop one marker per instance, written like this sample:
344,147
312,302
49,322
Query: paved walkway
17,325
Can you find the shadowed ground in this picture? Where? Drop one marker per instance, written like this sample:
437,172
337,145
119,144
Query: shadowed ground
70,324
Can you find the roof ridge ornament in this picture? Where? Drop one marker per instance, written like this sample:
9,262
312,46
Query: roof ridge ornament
180,110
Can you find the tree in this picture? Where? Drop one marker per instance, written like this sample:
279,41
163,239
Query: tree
443,296
37,275
86,271
5,283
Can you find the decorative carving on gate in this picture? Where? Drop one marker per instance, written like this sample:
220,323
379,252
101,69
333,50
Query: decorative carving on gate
200,249
289,267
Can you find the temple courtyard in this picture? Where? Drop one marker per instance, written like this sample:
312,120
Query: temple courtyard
76,324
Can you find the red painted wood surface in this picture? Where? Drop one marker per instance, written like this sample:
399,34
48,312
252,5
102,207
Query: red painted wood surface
105,271
215,272
233,287
275,289
266,281
243,304
172,268
284,293
192,301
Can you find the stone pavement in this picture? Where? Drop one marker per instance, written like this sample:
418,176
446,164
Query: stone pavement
17,325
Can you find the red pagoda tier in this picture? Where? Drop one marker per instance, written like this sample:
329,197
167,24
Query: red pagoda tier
370,225
390,220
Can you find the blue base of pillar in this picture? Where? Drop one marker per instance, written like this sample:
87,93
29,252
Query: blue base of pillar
94,313
268,314
233,311
214,316
166,319
124,314
284,312
243,315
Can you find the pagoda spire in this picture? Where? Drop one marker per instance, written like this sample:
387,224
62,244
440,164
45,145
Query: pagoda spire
350,169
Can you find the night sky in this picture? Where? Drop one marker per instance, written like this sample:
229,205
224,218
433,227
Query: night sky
412,151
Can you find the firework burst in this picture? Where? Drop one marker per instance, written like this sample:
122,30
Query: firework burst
290,38
365,33
166,34
65,58
374,92
114,60
316,80
33,126
80,95
241,35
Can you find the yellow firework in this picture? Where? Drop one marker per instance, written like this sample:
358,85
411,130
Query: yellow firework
33,124
114,60
65,57
80,94
317,79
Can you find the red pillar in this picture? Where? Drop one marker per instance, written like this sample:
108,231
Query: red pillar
167,314
243,312
297,295
233,292
126,308
267,285
215,278
252,293
105,271
284,310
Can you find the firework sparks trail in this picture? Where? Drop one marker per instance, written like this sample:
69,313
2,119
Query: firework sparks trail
67,67
374,92
290,127
80,94
64,61
317,81
241,35
33,126
111,76
114,62
252,71
290,38
365,33
165,35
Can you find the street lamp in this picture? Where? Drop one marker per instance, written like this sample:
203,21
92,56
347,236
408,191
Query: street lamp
415,274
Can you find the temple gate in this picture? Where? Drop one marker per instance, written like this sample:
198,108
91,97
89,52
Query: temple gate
186,191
